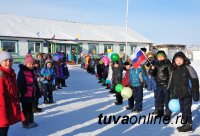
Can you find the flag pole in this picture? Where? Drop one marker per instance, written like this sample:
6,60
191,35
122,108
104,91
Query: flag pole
127,3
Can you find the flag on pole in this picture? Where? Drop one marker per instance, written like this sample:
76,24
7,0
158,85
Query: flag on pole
138,57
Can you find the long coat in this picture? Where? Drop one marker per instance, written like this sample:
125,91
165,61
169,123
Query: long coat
10,112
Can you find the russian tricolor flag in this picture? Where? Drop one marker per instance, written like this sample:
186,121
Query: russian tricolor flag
138,57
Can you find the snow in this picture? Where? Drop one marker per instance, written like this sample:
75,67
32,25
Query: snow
78,106
22,26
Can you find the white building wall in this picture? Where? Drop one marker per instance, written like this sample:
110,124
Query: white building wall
101,48
116,48
196,55
23,47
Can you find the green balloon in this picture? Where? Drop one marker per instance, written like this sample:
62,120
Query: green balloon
119,87
114,57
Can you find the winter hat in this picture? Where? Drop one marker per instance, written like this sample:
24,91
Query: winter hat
144,49
28,59
126,63
37,62
48,61
5,55
160,53
180,55
150,54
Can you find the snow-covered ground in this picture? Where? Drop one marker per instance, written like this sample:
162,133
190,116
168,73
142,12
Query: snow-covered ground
78,106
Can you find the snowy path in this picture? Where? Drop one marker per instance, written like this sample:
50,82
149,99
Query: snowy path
78,106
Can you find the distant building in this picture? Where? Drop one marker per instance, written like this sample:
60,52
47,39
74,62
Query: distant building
22,34
171,49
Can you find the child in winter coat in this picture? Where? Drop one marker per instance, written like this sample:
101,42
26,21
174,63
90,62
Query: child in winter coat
27,85
137,78
39,91
117,69
39,57
110,72
10,112
65,73
59,74
126,83
152,79
184,85
49,73
162,69
105,73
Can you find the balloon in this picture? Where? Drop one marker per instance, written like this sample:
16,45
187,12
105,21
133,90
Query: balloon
109,50
60,56
100,62
114,57
105,59
174,105
55,57
126,92
119,87
108,81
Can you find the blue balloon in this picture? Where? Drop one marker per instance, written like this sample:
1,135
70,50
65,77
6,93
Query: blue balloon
174,105
108,81
55,57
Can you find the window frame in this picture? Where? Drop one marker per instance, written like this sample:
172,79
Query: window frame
94,44
8,40
41,45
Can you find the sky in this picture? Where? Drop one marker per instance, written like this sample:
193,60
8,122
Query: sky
161,21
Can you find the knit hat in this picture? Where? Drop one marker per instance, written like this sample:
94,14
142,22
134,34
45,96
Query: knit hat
5,55
160,53
28,59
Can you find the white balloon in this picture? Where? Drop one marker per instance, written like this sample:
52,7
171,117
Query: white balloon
126,92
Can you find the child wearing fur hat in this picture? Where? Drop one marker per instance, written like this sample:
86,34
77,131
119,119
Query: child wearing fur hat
184,85
10,112
27,85
49,73
162,69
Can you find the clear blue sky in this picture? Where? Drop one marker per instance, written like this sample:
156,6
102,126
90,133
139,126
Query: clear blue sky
162,21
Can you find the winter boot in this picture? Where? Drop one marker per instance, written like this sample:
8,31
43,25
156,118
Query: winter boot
185,128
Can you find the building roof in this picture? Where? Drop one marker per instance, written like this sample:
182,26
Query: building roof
170,45
22,26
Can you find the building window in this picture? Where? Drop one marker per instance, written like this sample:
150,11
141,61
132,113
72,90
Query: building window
106,47
34,47
9,46
121,48
133,47
93,48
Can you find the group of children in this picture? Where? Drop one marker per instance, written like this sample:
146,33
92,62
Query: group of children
36,78
168,80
